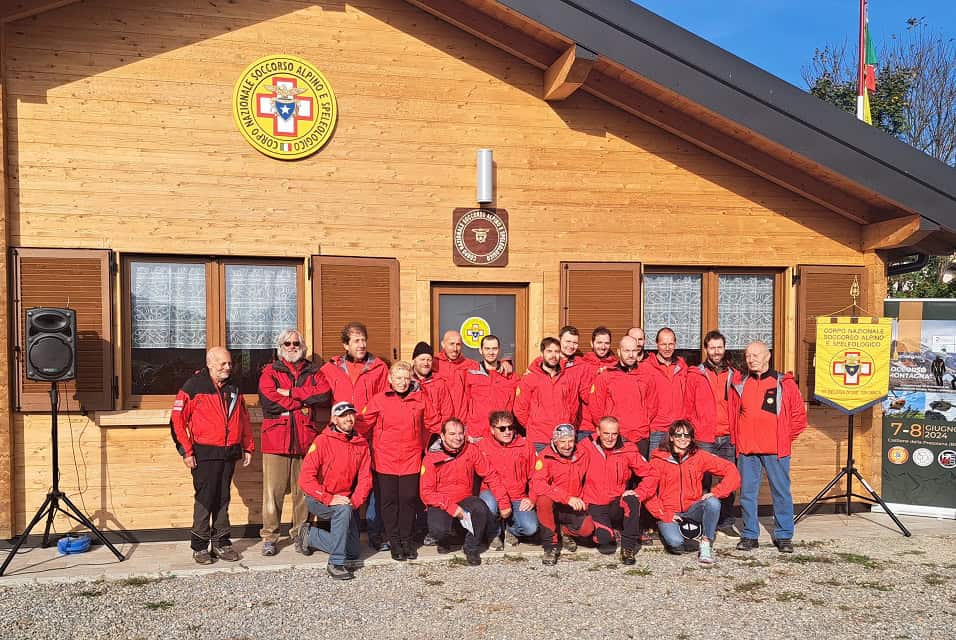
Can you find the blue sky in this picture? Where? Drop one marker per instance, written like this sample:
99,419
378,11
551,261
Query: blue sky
780,36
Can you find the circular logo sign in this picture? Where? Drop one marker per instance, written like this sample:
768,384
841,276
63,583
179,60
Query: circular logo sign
852,368
922,457
284,107
947,459
473,329
481,237
897,455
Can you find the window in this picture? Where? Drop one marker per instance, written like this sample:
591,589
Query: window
177,308
744,305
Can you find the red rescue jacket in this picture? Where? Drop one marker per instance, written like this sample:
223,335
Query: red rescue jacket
609,471
453,372
667,387
680,483
395,427
208,422
791,414
372,380
337,464
288,426
542,402
700,405
439,405
557,477
448,478
484,392
594,367
513,462
626,396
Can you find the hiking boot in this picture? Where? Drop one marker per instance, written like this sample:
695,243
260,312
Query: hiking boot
473,558
411,552
747,544
627,556
302,540
226,553
674,551
691,546
269,549
550,557
705,557
398,554
497,544
784,545
607,549
729,530
569,544
339,572
354,563
203,557
511,539
443,549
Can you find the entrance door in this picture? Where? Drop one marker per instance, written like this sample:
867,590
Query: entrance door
478,310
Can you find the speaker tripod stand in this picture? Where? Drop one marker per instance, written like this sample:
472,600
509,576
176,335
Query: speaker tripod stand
52,504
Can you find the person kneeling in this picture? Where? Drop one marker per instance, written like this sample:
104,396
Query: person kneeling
680,468
336,477
447,487
557,486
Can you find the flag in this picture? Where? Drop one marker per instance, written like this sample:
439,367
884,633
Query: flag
866,76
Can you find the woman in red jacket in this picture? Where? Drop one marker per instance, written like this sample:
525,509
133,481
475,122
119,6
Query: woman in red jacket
394,423
680,496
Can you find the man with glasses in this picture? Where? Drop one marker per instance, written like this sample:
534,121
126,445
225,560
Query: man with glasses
291,388
770,416
512,457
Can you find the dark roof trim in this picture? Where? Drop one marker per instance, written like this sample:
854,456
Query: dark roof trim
722,83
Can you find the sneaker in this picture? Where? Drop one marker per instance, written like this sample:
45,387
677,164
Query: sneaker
784,545
674,551
339,572
729,530
354,563
203,557
429,540
302,540
226,553
377,544
269,548
627,556
511,539
569,544
705,556
497,544
691,546
550,557
747,544
473,558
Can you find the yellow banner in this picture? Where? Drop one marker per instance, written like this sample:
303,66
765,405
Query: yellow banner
852,361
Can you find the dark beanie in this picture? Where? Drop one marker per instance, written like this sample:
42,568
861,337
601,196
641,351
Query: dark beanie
420,348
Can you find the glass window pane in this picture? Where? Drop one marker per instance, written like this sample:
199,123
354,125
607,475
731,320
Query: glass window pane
261,302
168,325
673,300
745,312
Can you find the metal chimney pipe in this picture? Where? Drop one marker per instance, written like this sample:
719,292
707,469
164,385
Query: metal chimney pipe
485,178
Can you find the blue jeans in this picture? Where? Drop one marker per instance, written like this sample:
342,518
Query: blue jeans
657,437
341,541
706,512
521,523
721,447
373,523
751,469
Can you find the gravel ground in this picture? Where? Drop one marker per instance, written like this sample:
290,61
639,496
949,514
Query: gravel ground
891,588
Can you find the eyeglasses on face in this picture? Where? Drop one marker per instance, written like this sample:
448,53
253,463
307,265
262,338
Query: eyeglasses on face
505,427
682,434
291,343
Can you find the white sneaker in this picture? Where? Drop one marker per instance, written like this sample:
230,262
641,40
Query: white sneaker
705,557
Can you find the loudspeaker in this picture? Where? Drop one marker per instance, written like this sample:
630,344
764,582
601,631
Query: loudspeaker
51,344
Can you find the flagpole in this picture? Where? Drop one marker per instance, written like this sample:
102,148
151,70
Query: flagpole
861,62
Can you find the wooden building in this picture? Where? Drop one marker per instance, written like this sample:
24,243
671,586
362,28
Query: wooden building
650,178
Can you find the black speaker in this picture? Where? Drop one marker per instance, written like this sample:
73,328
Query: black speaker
51,344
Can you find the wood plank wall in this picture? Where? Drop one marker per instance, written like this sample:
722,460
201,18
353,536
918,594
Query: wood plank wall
119,135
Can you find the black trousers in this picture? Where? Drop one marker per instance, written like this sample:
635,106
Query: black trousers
397,504
626,517
211,482
442,526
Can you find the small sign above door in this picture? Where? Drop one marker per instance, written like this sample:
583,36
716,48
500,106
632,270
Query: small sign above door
480,237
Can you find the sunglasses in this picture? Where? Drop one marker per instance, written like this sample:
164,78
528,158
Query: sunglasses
681,435
507,427
289,343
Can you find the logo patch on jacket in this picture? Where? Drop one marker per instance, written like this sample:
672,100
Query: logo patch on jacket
770,401
423,470
539,465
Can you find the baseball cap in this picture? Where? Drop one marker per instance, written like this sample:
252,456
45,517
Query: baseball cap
341,408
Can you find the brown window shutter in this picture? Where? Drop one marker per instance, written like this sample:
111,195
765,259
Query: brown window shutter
821,291
80,280
601,293
355,289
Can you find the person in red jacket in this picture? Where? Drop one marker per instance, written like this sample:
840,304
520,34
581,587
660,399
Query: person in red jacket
450,365
613,463
557,489
576,372
666,376
706,405
211,430
438,397
546,395
487,388
290,389
679,496
394,423
770,416
596,362
512,456
447,486
621,391
336,478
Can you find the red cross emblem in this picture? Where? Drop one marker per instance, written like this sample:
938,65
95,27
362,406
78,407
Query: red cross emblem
852,369
284,106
